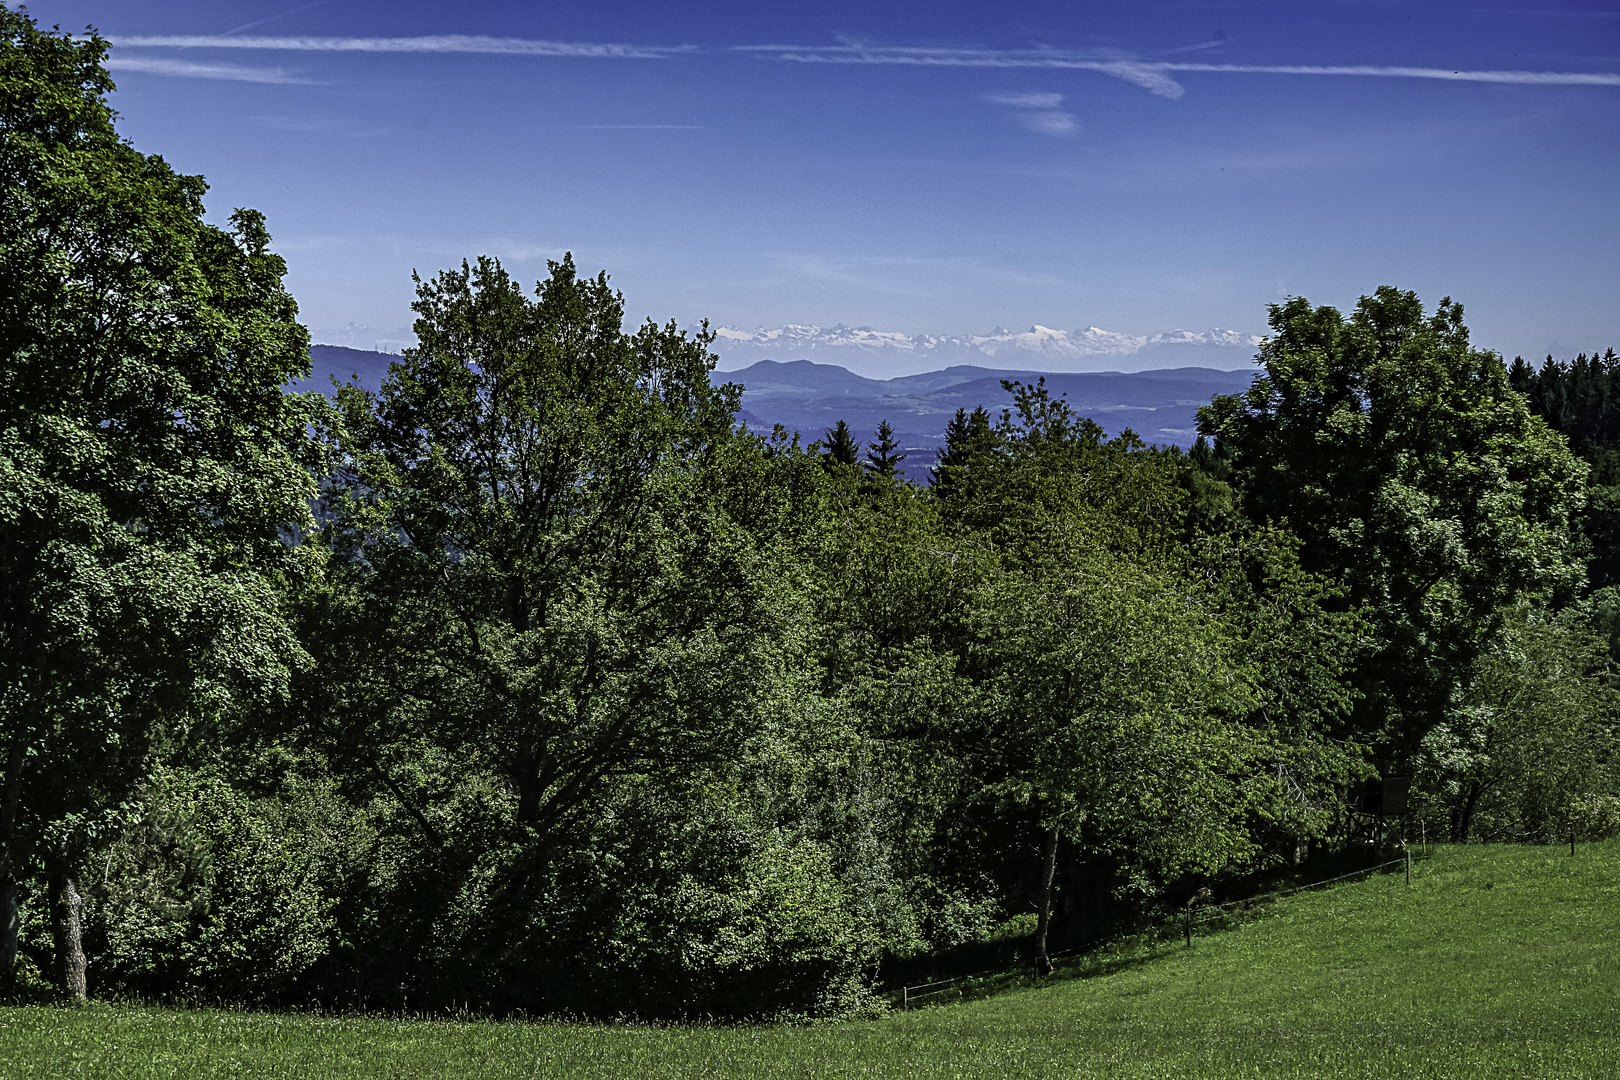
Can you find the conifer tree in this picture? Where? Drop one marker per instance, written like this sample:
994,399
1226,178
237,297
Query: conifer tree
883,457
1581,400
966,435
840,447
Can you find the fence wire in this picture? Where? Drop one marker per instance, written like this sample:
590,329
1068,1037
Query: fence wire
908,994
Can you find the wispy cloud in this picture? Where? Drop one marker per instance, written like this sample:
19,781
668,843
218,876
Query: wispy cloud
152,65
1038,111
1036,100
303,124
443,43
1049,123
1153,75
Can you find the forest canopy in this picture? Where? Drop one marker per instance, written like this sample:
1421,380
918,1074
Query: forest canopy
533,681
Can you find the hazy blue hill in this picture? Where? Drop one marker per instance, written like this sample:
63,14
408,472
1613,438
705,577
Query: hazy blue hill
771,377
345,364
802,385
809,398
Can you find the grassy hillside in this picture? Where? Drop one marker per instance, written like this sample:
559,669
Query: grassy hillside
1497,962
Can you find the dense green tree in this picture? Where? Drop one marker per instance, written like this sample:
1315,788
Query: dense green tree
1042,464
883,457
1581,399
1300,647
892,586
1122,678
839,448
1410,470
1103,689
212,892
1531,735
527,475
563,591
966,435
149,465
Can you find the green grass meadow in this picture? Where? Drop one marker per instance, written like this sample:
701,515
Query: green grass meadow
1497,962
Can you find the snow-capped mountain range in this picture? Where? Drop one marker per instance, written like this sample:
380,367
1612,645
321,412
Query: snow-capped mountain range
889,353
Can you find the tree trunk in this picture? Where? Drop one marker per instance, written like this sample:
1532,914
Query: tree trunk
66,930
527,773
1043,963
10,929
1463,823
10,906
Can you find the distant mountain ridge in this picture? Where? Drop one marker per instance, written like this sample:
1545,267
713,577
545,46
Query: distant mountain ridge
890,353
344,364
1160,405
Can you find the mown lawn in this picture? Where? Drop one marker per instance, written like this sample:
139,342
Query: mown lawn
1498,962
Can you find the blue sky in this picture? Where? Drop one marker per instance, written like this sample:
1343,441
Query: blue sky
927,168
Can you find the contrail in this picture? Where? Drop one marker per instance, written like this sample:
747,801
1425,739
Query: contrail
444,43
1148,76
1538,78
1154,74
273,18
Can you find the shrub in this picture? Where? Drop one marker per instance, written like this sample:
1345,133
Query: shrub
214,894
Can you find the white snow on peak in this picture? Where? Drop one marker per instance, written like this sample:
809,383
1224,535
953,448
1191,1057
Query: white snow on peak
1040,340
1207,337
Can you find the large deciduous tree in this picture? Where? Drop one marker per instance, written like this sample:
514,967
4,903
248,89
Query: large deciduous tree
149,465
553,538
1410,470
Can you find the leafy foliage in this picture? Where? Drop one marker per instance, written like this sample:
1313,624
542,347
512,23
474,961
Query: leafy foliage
1581,399
1411,471
149,461
215,895
1533,736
